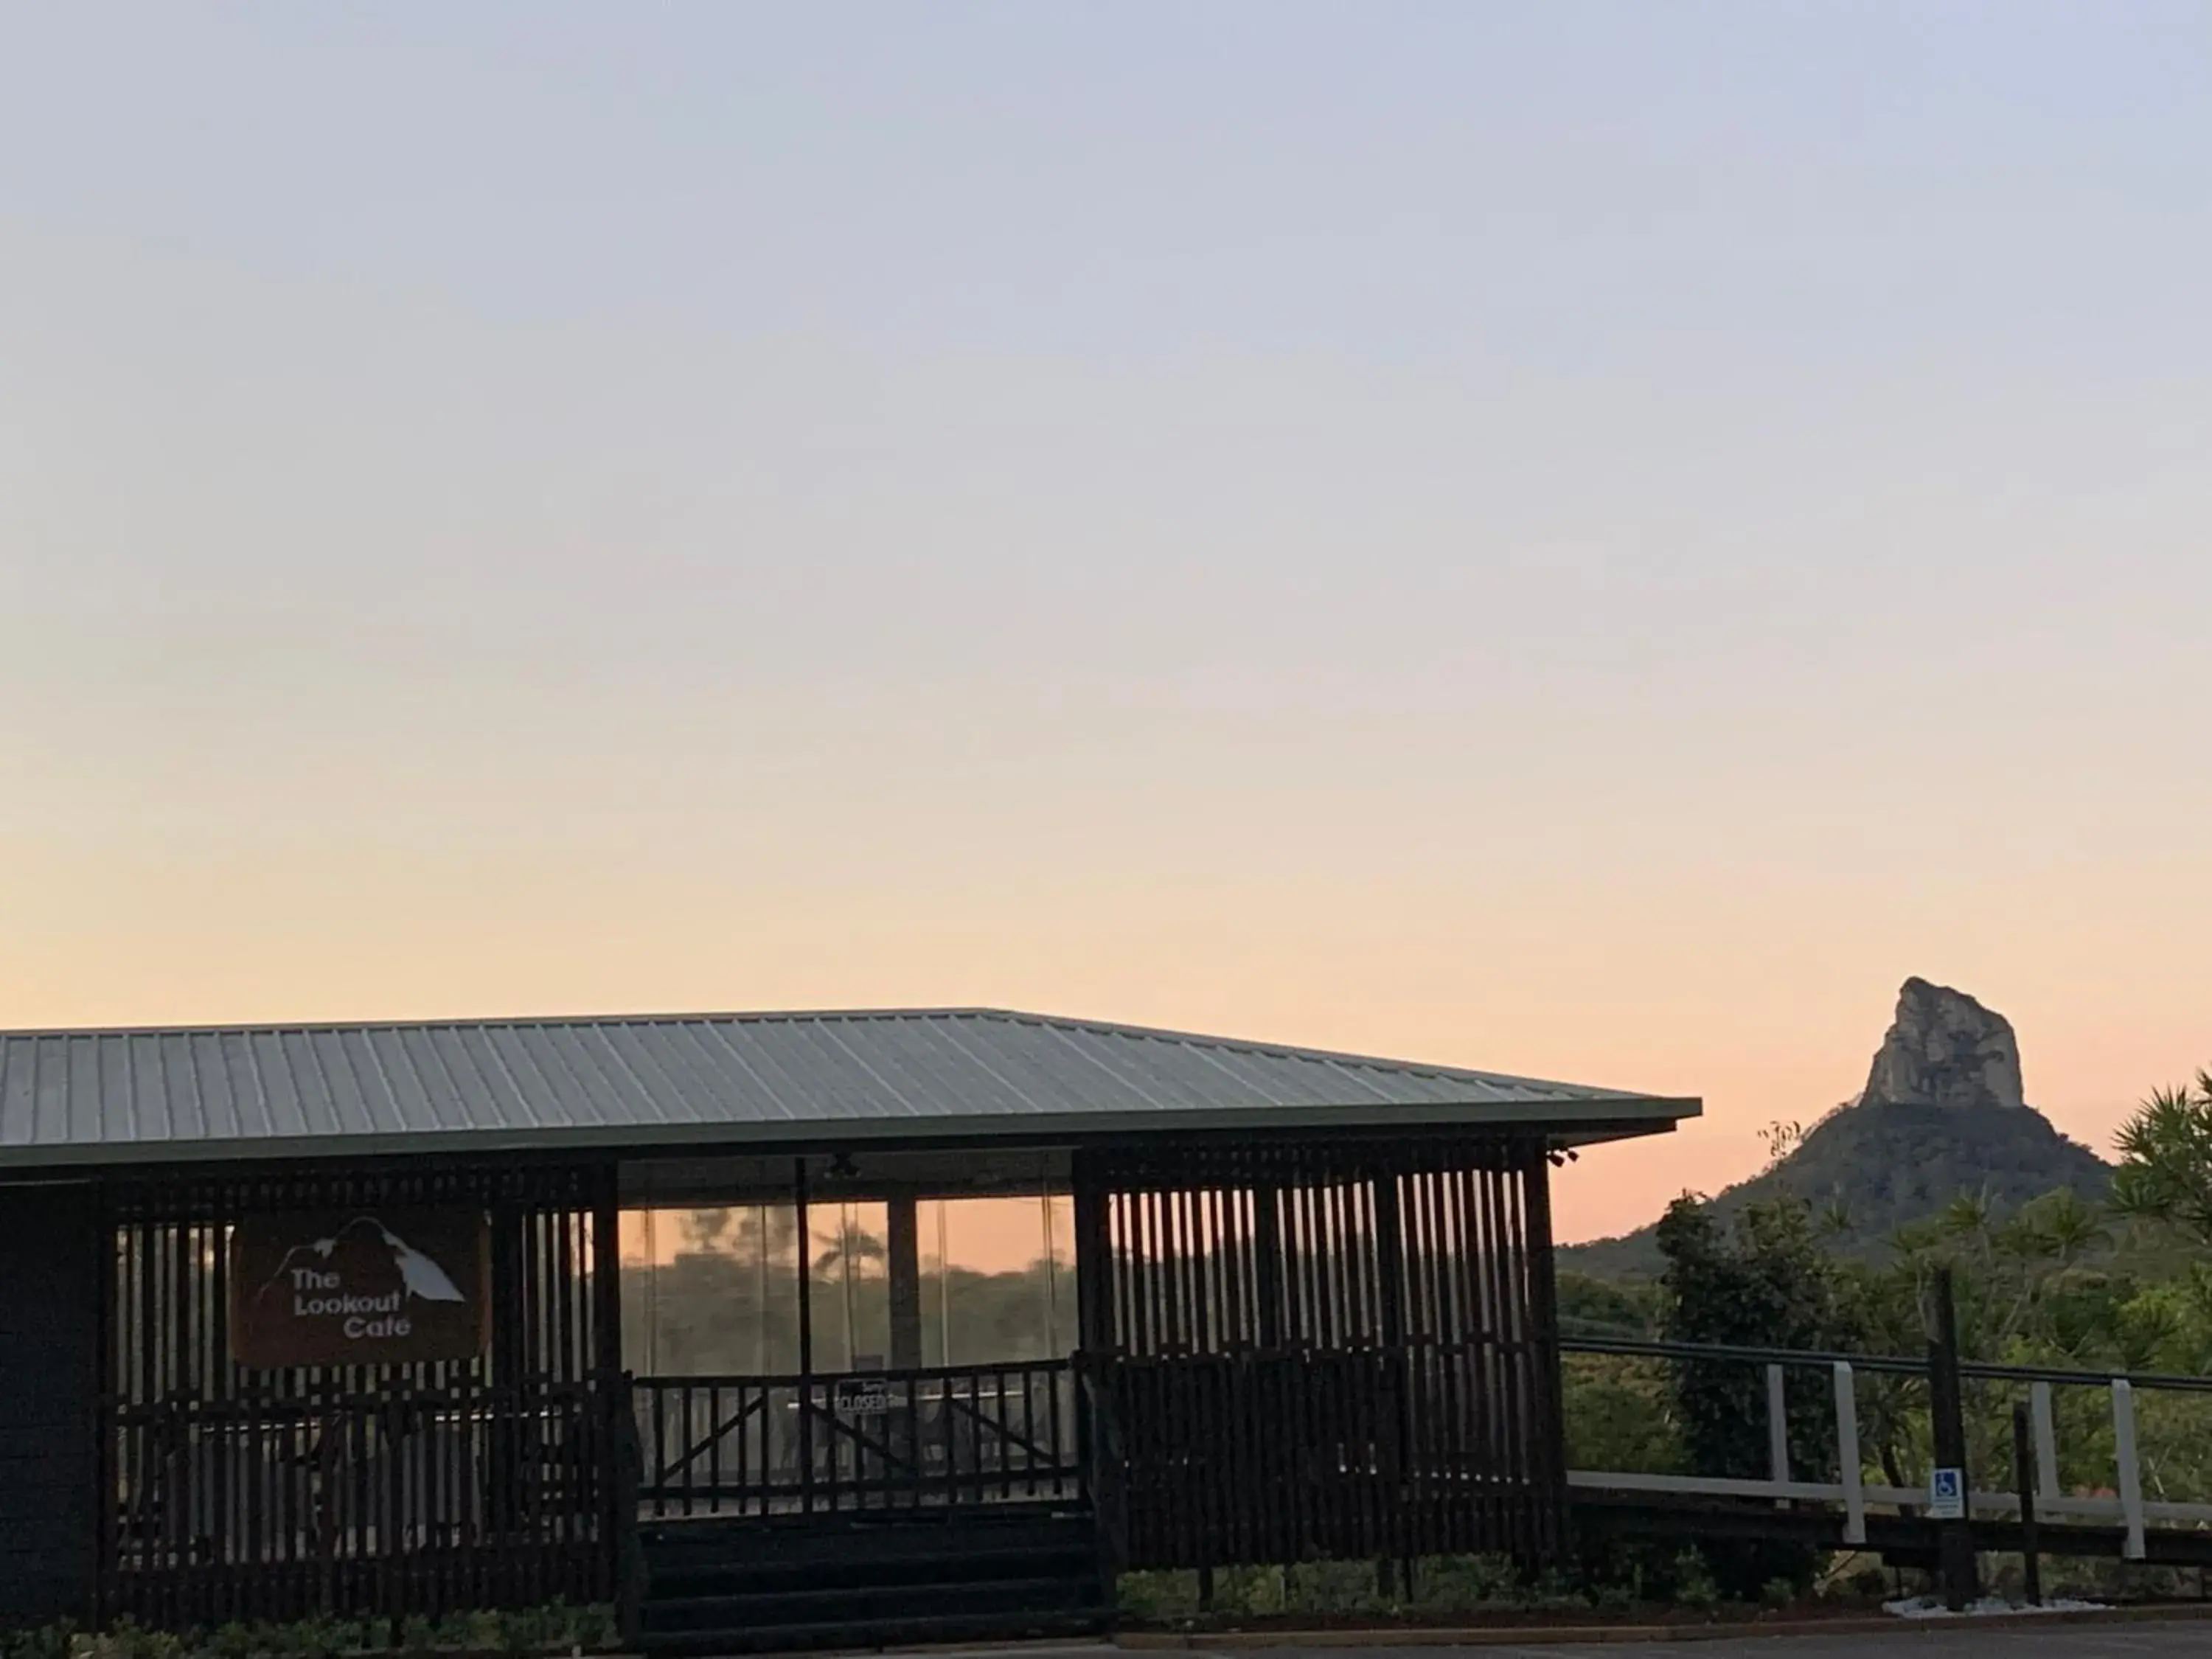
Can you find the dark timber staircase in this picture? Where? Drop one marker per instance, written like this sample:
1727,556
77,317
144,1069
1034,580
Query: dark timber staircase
731,1586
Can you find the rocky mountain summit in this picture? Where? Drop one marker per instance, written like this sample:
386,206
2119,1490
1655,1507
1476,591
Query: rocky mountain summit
1942,1113
1944,1048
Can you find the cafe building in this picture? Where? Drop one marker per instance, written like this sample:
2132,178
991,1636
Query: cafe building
770,1330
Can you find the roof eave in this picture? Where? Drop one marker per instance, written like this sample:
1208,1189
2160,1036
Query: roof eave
1569,1122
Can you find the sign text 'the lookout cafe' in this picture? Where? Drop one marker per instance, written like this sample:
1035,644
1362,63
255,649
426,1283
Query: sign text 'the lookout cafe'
358,1287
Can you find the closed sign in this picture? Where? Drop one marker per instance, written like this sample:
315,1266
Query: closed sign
358,1287
860,1396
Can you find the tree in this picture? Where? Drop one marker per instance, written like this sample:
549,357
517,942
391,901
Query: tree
2166,1169
1600,1307
2061,1225
1765,1284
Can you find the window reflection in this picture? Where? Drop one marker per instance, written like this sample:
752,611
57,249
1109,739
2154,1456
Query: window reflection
714,1290
997,1280
851,1286
711,1291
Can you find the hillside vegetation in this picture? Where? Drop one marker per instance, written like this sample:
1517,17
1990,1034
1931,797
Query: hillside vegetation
1868,1169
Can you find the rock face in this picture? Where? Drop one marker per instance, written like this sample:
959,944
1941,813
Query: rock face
1945,1049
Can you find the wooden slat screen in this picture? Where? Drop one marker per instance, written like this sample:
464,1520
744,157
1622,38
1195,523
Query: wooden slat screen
236,1494
1322,1349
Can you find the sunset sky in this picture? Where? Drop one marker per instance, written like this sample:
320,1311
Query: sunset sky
1590,540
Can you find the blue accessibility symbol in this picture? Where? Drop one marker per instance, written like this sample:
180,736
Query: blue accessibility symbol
1947,1494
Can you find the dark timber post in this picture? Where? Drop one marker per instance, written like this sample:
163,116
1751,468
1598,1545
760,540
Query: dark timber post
510,1361
56,1311
1390,1270
805,1339
903,1242
2024,1474
902,1247
1550,1465
620,1456
1096,1274
1947,1403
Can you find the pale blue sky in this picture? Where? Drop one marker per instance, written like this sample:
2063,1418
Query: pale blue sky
1575,538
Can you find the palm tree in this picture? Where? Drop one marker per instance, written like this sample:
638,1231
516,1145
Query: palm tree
2073,1227
2166,1171
1969,1216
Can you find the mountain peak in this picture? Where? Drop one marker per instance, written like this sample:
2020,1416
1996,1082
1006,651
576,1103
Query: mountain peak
1945,1048
1942,1114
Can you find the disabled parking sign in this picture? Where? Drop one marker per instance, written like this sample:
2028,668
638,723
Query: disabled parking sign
1946,1495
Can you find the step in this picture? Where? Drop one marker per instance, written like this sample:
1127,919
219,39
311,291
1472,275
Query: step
739,1574
951,1627
916,1532
882,1603
768,1559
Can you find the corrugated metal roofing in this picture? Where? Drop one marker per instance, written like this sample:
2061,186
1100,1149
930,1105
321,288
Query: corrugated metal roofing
100,1096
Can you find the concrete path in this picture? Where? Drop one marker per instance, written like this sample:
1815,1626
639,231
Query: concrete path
1932,1638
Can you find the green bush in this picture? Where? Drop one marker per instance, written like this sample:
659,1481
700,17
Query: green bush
1466,1583
1614,1581
557,1628
1324,1591
1693,1581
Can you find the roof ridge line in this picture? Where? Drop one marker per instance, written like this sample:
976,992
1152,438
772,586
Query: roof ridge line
482,1022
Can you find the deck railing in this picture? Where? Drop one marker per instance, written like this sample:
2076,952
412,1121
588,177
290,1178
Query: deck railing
794,1445
399,1499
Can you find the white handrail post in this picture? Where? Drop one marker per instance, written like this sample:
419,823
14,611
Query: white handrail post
1847,1454
2046,1441
1778,1433
2130,1469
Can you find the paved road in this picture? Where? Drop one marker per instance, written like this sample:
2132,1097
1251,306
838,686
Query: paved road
1930,1638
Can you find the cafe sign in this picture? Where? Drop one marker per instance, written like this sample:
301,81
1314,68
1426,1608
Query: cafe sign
359,1287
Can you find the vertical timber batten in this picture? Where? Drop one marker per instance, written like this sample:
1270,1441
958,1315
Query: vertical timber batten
1339,1347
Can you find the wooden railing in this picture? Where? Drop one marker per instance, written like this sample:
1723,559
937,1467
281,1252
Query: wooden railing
392,1500
791,1445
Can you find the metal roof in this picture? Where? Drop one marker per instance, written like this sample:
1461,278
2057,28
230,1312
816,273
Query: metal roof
266,1091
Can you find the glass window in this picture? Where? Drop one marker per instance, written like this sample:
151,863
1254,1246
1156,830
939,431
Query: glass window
714,1290
711,1291
997,1280
850,1270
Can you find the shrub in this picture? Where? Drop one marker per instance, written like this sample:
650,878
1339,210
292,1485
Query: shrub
555,1628
1693,1581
